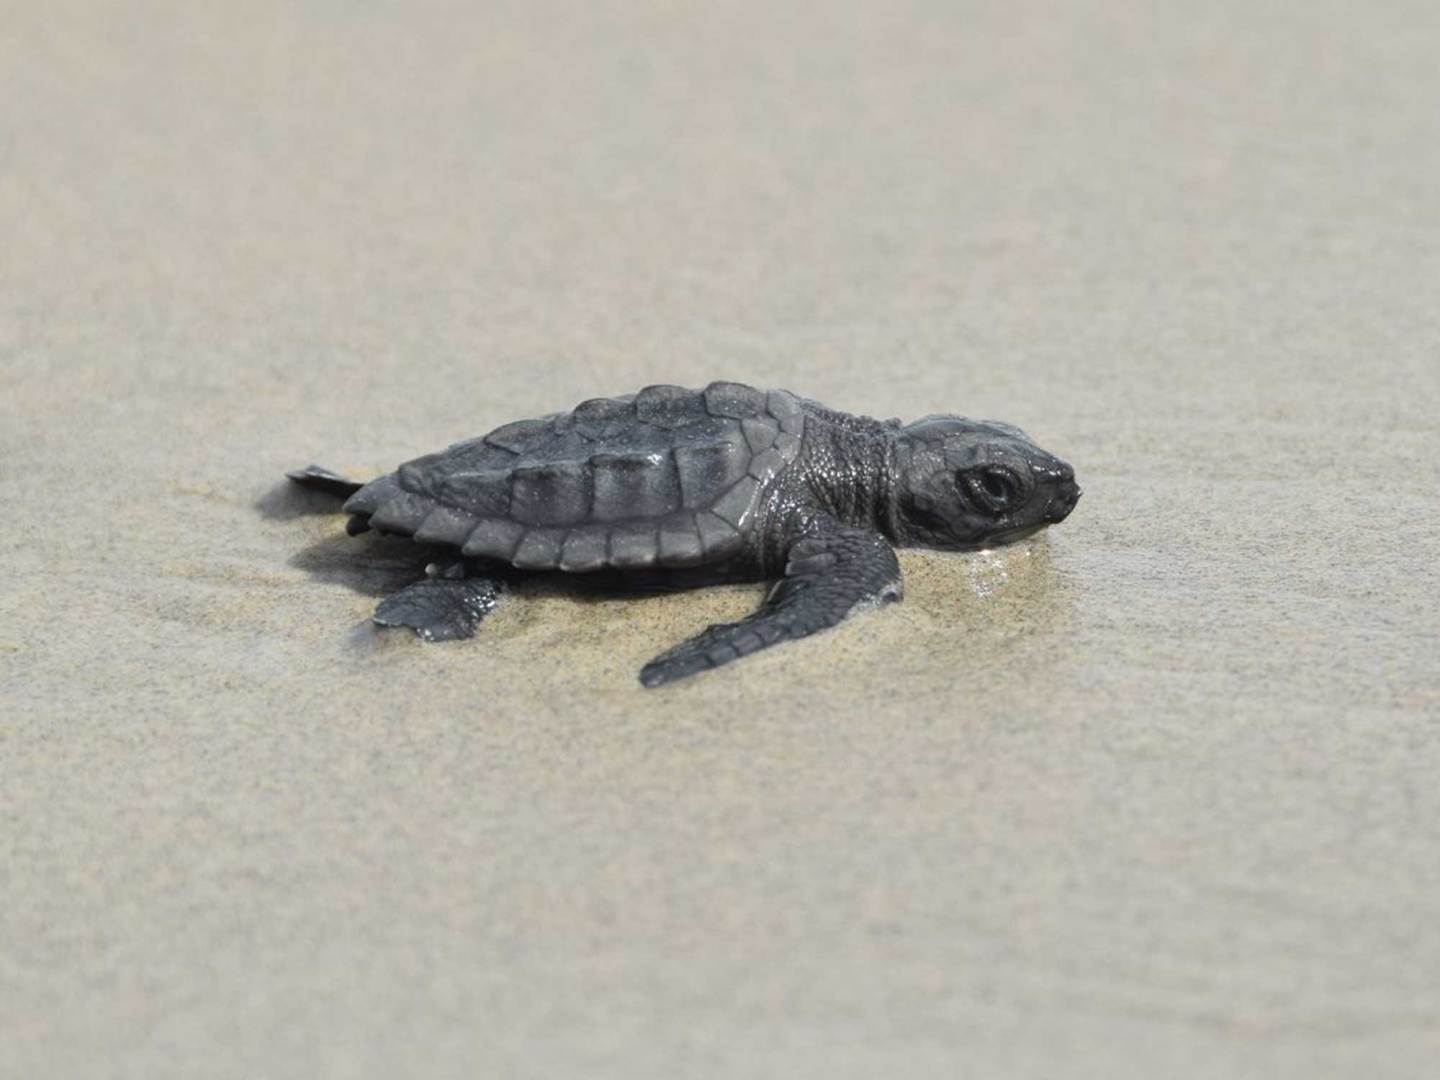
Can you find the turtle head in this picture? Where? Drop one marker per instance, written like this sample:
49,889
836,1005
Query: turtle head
966,484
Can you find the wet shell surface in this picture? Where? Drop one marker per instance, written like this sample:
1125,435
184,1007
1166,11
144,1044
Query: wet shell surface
668,477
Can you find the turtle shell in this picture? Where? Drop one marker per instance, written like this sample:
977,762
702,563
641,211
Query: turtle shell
666,477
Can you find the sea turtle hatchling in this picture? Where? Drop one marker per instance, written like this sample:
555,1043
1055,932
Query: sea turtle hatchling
676,488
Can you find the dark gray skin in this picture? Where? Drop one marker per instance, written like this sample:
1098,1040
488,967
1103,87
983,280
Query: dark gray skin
680,488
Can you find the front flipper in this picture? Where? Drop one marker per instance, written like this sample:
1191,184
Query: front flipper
441,608
829,572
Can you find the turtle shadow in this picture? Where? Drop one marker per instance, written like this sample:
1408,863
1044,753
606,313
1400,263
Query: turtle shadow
287,500
370,565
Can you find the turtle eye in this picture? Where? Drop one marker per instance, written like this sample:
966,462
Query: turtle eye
997,485
993,488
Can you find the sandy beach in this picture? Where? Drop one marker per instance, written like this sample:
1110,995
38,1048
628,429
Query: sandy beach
1153,794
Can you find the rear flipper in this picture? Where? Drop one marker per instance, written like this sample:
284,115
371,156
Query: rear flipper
443,607
318,478
828,574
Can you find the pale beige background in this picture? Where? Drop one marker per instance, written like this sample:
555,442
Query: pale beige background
1155,796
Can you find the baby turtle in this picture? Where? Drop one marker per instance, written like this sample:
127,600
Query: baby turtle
677,488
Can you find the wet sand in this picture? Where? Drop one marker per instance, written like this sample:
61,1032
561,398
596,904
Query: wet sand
1153,794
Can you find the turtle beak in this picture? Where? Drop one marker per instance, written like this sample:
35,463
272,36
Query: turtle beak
1067,494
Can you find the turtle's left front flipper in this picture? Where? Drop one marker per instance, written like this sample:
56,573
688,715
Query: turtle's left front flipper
829,572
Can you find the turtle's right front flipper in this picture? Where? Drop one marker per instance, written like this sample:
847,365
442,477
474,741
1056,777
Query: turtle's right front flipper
829,572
